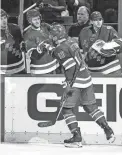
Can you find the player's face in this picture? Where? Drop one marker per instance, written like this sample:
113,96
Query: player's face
35,21
82,16
3,22
97,23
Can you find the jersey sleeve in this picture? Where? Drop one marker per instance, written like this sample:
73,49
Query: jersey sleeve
70,31
80,39
113,34
16,32
75,52
46,26
17,35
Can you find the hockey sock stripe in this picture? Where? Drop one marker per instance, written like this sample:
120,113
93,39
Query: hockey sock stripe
99,118
97,115
92,113
73,126
73,130
70,119
71,122
67,115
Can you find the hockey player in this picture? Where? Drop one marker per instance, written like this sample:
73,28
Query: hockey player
90,35
79,87
38,32
12,59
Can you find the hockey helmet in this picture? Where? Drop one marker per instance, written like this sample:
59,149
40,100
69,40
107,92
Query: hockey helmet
96,15
33,13
58,31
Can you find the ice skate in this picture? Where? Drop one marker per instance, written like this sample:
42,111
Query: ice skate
75,141
109,134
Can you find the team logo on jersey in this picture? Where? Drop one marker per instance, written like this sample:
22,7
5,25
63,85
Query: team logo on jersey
102,61
85,43
92,53
37,40
98,58
61,55
93,37
74,47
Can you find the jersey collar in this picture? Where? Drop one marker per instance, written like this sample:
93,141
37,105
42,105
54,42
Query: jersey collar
38,29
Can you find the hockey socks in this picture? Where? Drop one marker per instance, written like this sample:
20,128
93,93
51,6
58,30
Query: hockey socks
99,118
71,121
96,115
72,124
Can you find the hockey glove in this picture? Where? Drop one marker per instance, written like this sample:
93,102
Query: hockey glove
69,90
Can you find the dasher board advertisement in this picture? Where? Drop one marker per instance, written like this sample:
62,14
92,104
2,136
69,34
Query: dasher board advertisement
30,100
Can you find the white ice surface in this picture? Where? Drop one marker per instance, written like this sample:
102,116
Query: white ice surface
57,149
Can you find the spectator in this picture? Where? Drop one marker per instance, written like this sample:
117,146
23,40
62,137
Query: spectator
82,21
51,10
73,6
12,59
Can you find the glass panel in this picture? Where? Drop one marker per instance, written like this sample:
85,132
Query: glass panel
109,10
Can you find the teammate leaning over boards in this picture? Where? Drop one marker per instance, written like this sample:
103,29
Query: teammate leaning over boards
67,52
12,59
38,32
88,39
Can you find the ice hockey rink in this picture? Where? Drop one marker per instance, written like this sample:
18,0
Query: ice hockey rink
56,149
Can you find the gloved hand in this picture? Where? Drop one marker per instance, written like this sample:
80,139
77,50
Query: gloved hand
23,46
44,47
68,90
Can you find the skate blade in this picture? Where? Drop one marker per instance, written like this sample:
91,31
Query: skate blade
73,145
112,139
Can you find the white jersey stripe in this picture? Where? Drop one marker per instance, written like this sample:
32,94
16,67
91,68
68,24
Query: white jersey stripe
44,65
105,66
12,65
67,61
112,70
44,71
80,85
82,69
71,65
13,71
83,79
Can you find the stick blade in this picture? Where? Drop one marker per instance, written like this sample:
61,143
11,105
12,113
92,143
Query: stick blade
45,124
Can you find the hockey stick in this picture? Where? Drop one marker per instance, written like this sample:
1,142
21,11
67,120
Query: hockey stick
52,122
32,6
